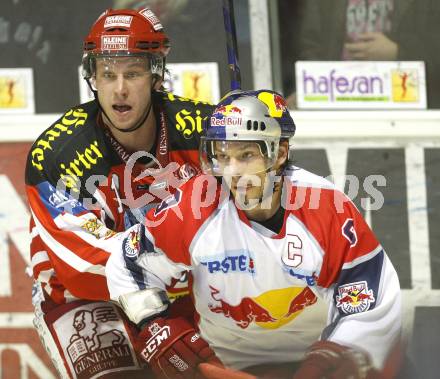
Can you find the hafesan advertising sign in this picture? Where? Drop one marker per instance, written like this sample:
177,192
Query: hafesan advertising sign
360,85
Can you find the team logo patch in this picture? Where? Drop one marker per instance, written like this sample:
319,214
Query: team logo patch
354,297
97,228
151,17
132,244
94,341
117,21
116,42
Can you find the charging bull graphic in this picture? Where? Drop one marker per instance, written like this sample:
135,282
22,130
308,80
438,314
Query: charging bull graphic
250,310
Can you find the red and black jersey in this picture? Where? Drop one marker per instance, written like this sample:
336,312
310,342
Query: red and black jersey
83,189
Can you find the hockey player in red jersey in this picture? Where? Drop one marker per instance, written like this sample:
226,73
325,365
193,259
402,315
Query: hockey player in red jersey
262,247
94,173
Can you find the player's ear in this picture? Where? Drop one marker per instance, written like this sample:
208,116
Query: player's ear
157,85
283,152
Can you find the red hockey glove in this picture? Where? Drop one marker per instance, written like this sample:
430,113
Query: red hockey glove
330,360
173,349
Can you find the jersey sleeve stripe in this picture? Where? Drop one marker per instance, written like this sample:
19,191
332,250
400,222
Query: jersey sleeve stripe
362,258
39,257
65,254
45,275
34,232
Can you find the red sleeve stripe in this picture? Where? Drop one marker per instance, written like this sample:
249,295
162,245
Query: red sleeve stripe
87,251
62,222
101,200
34,231
39,257
45,275
65,254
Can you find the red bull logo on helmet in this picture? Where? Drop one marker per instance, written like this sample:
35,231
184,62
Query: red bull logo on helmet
270,310
354,297
228,110
225,121
280,103
226,115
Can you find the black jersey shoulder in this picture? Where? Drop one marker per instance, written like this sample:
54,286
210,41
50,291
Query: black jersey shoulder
71,149
185,119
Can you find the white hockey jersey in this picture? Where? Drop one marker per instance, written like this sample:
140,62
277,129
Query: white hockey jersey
255,291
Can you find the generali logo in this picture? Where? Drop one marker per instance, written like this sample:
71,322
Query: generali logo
94,348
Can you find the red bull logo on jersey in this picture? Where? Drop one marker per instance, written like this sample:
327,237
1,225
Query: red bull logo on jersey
234,263
354,297
270,310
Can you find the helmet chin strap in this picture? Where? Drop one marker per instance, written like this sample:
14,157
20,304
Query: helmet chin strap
134,127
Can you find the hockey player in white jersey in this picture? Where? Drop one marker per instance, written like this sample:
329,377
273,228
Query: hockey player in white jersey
261,247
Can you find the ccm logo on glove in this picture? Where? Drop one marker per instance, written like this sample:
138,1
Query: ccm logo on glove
160,334
173,348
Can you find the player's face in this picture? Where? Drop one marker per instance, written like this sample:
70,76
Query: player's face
243,165
246,171
239,158
124,89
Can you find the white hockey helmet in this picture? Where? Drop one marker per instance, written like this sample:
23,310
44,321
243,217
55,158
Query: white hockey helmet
258,117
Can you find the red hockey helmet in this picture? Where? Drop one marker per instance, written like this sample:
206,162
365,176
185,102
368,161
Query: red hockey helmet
126,32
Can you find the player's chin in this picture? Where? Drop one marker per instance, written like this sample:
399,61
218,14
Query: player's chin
124,122
248,197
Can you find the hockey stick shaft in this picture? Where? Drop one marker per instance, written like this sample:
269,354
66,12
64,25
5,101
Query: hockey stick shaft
231,44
